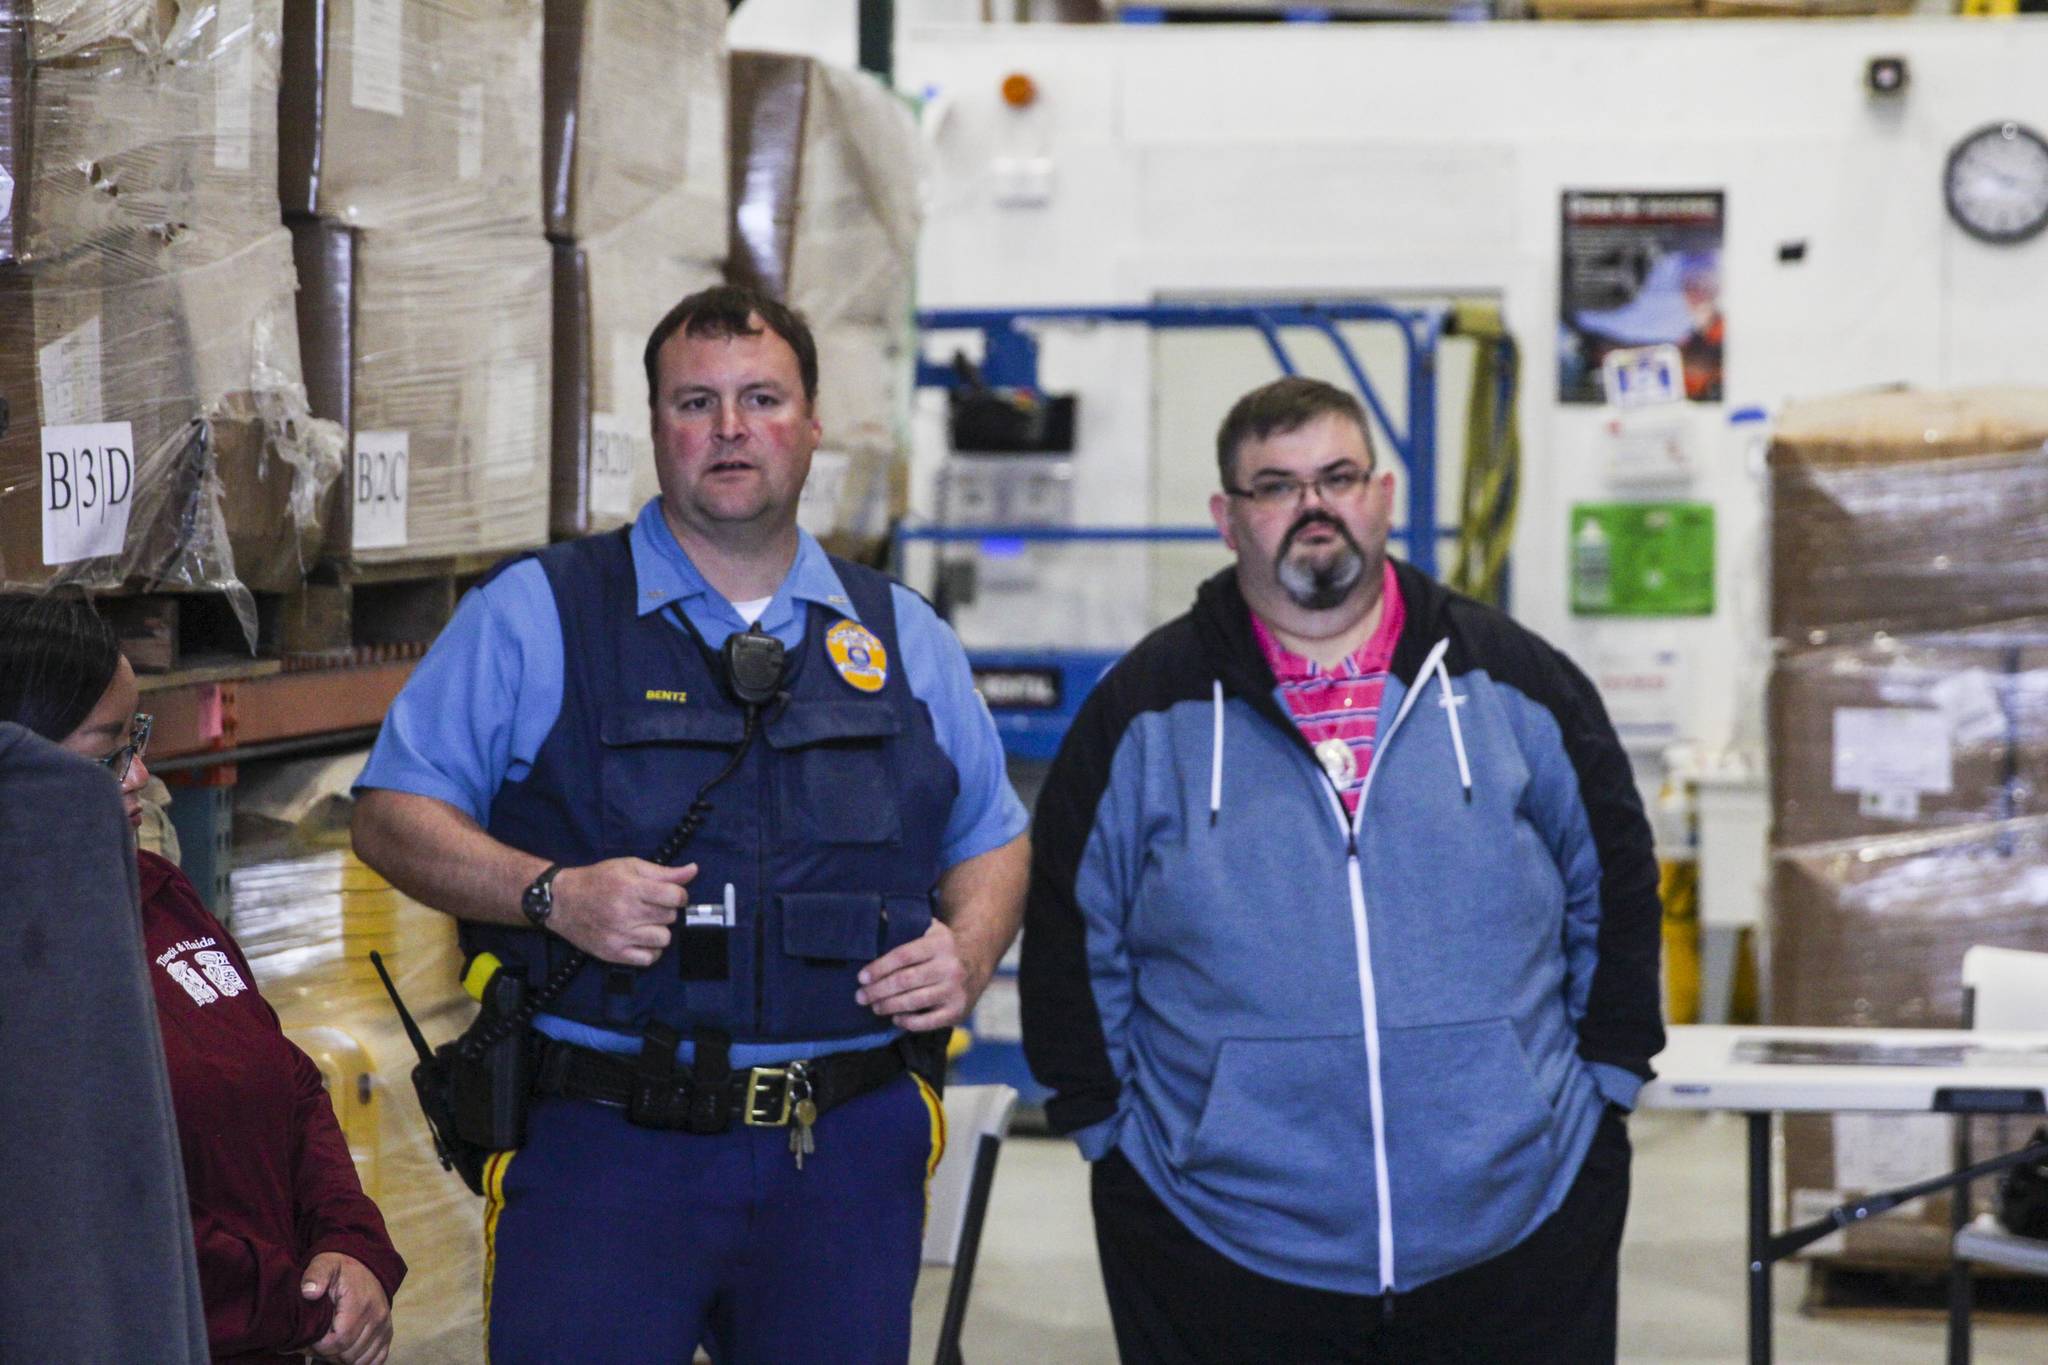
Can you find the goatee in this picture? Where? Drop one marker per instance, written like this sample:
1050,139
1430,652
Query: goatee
1318,582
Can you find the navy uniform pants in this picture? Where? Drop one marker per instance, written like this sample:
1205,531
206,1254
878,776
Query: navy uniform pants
606,1242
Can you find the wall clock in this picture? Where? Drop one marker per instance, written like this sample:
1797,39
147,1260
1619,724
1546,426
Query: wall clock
1996,183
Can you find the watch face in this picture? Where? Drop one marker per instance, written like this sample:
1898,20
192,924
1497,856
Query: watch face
1997,183
538,900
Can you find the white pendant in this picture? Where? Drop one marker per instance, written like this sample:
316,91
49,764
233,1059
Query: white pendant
1337,760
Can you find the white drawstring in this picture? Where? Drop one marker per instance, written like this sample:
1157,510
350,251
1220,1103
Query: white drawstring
1450,704
1216,752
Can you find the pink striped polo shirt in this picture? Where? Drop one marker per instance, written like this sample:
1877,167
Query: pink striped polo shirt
1341,703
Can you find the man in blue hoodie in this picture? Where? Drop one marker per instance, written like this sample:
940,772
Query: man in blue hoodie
1341,947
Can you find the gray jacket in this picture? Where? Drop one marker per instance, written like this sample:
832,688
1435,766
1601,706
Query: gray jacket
96,1258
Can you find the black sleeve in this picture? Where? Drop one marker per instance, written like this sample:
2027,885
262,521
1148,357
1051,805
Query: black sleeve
1624,1022
1064,1038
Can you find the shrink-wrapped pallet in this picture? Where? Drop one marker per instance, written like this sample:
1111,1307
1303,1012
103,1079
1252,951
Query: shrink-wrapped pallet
155,428
609,292
1909,732
138,118
1902,511
398,110
825,216
150,366
635,111
1870,933
859,476
824,187
429,344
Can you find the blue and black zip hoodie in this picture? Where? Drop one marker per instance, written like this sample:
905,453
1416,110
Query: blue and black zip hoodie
1363,1053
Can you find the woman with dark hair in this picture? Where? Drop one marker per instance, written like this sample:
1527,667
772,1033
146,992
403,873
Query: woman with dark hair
293,1256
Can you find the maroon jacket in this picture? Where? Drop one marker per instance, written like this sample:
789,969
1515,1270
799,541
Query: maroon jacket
268,1171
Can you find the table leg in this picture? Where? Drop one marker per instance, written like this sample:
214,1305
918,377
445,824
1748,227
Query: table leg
1759,1239
1960,1290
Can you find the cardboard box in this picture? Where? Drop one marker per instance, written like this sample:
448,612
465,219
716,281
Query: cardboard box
399,115
824,189
825,216
859,483
864,374
181,379
153,120
271,507
609,293
1909,733
99,419
430,346
1831,1159
1904,511
634,95
1871,933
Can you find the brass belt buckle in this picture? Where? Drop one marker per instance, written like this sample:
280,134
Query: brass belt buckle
762,1084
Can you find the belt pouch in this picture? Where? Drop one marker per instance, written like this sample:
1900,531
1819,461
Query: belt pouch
704,945
705,953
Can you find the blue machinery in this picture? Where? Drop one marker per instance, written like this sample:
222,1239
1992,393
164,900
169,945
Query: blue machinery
1033,717
1034,693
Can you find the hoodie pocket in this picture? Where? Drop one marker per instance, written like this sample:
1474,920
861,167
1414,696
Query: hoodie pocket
1470,1142
1284,1142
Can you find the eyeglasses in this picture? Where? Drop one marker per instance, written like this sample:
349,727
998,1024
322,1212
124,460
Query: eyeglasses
1282,490
122,759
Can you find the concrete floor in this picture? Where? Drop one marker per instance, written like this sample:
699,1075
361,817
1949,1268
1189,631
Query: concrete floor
1037,1295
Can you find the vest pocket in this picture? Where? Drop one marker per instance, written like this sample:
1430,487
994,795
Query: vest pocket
826,937
904,918
833,926
841,792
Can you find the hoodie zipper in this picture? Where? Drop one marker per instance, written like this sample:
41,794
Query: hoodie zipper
1367,990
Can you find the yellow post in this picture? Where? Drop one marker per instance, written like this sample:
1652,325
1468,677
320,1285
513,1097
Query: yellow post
351,1078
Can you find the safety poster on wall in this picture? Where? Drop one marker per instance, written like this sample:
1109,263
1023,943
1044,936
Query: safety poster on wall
1640,268
1642,558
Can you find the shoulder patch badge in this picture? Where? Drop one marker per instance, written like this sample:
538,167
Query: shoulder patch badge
858,656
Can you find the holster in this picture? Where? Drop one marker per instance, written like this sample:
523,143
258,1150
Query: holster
474,1092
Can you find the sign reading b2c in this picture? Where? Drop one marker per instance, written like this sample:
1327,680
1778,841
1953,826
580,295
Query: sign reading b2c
380,488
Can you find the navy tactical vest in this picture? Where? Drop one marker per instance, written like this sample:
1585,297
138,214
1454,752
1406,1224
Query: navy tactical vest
829,833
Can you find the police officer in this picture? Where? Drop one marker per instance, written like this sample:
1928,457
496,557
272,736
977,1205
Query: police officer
733,1115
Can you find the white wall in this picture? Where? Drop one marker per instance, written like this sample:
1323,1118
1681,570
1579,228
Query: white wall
825,29
1422,159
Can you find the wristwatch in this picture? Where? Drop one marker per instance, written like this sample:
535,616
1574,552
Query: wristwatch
537,901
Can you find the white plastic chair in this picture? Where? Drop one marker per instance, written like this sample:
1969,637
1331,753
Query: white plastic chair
977,1119
2004,989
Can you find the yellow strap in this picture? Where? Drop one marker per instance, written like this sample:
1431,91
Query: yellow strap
494,1204
936,1110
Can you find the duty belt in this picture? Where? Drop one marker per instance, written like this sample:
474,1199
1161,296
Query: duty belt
711,1095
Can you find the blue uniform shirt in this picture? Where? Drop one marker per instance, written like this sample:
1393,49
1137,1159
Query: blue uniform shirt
481,703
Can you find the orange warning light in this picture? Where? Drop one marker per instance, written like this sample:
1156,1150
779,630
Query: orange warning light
1019,90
